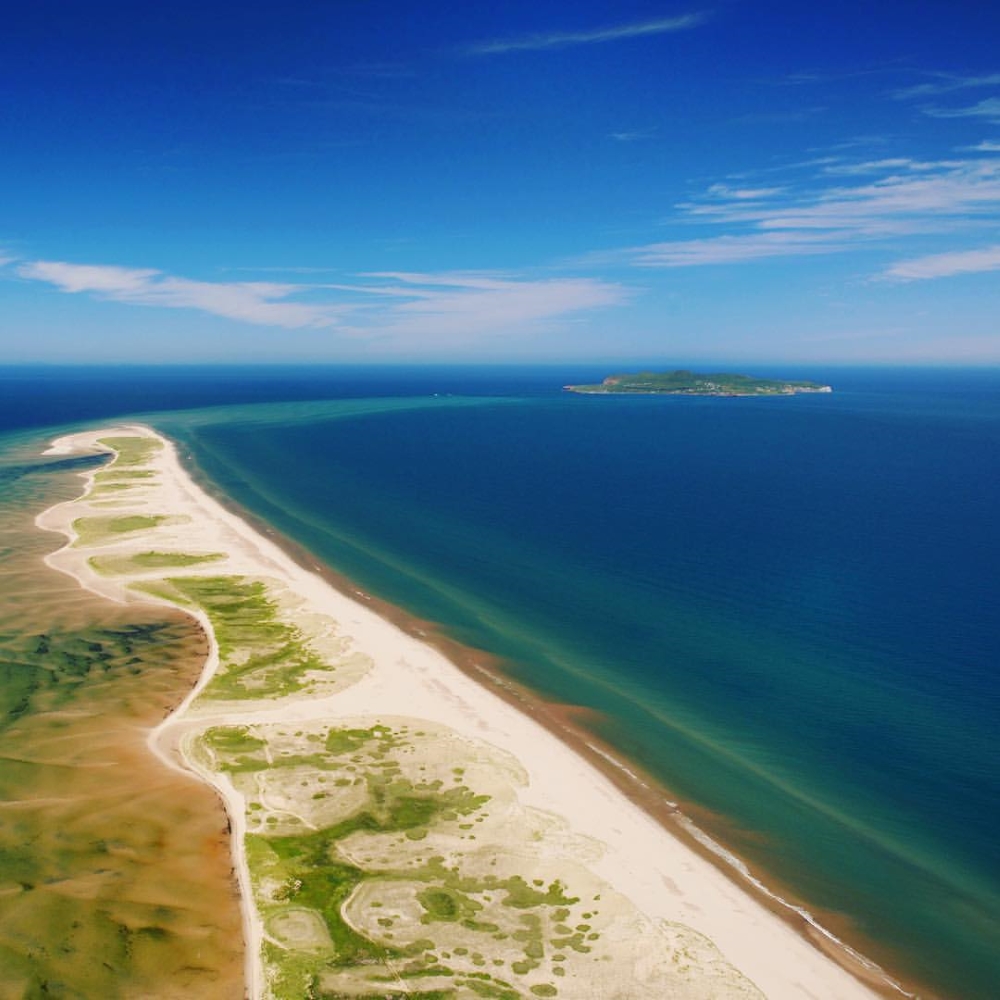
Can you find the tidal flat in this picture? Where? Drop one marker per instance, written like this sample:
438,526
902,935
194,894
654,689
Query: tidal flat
115,871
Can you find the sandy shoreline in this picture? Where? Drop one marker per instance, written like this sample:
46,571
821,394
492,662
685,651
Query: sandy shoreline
386,674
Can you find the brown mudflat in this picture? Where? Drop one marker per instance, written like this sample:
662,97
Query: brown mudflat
115,872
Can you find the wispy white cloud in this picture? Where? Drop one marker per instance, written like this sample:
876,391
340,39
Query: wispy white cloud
927,200
946,83
563,39
850,145
986,146
249,301
944,265
890,201
988,108
449,279
634,135
891,163
725,191
459,308
730,249
837,76
386,307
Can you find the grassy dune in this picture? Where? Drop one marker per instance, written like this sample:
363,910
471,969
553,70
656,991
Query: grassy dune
140,561
100,530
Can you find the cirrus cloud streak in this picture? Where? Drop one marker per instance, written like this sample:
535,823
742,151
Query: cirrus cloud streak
944,265
563,39
439,308
256,302
456,310
898,199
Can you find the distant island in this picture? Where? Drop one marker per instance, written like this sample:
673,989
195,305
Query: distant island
685,383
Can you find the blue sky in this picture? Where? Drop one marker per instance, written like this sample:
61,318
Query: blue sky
367,181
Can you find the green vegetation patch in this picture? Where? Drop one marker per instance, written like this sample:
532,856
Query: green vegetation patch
132,450
447,905
94,530
305,869
235,749
523,896
123,565
232,740
261,655
375,914
161,590
103,489
491,991
123,475
342,741
310,877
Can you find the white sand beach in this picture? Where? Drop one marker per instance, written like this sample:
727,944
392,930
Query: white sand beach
524,809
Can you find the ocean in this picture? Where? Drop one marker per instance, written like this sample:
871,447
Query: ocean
783,609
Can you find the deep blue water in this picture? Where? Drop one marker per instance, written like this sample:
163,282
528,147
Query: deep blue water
786,609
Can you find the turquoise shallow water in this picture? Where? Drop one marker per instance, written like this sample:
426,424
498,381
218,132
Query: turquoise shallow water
784,608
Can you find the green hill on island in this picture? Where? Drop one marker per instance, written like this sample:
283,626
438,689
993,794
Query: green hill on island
686,383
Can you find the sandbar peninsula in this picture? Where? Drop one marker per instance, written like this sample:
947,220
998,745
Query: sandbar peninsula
399,830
